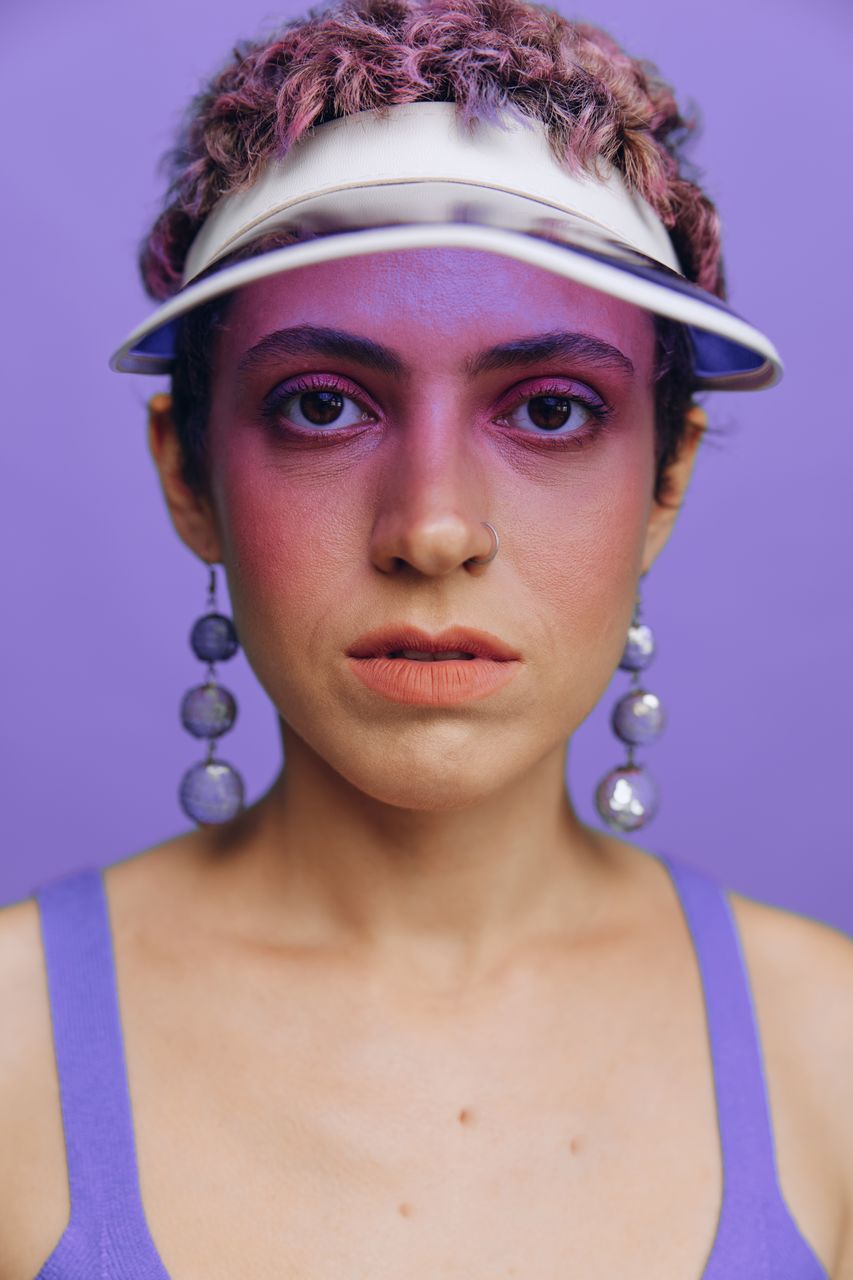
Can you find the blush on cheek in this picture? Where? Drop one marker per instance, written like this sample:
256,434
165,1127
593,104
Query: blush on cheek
582,556
276,548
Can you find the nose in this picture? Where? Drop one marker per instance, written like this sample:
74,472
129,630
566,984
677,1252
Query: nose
433,501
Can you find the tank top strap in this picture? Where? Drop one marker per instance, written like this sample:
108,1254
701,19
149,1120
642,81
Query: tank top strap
743,1114
88,1046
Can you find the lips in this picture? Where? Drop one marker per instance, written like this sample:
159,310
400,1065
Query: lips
392,640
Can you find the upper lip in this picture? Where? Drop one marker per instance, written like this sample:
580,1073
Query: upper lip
384,640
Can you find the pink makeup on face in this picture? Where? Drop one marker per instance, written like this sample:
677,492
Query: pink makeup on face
365,413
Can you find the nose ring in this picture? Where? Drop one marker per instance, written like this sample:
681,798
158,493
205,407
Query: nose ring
494,550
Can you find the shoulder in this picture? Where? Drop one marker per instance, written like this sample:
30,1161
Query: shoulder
21,970
24,999
801,975
26,1050
23,1006
31,1142
803,969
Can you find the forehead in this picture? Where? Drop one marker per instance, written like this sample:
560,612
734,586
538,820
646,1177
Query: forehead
437,307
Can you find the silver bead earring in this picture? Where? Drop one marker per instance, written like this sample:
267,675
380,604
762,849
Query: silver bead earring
627,797
211,791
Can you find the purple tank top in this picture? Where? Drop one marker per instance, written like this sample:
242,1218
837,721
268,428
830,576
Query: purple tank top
107,1235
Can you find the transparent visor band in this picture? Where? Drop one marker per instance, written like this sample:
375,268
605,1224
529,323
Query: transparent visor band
729,353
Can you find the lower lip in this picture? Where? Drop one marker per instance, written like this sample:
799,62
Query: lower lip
433,684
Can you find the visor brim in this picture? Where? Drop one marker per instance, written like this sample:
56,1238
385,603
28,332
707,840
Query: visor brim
729,353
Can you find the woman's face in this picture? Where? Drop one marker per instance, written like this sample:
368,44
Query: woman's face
349,485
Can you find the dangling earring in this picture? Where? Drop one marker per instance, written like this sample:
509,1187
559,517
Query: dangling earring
211,791
627,797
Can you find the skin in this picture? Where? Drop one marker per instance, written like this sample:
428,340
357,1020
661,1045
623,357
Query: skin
361,835
407,992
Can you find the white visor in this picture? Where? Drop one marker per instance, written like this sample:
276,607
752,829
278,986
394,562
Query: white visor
411,177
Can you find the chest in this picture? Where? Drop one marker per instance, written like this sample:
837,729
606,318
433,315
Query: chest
305,1126
322,1133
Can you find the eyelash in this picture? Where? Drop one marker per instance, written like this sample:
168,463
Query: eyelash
600,419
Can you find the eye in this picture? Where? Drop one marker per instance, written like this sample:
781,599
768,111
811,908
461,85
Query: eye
315,401
551,409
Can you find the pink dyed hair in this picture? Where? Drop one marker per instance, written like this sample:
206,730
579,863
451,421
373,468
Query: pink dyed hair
484,55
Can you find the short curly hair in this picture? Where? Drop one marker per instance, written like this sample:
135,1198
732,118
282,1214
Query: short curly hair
594,100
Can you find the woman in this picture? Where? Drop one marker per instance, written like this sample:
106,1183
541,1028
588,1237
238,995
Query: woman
432,389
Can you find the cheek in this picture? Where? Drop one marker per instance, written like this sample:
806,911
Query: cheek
579,552
286,544
285,587
281,550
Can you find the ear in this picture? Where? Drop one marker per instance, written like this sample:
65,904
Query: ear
662,518
192,515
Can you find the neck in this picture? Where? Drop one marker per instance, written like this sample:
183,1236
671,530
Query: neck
446,892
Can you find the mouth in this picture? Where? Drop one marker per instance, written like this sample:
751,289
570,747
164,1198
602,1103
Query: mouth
433,672
407,643
412,655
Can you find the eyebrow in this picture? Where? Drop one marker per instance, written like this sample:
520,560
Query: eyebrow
316,339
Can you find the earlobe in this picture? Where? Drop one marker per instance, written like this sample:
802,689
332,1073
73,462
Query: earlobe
191,514
696,419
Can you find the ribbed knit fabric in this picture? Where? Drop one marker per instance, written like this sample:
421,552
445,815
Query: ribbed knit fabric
107,1236
757,1237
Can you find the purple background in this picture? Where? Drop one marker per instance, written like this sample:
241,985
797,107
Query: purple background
750,601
